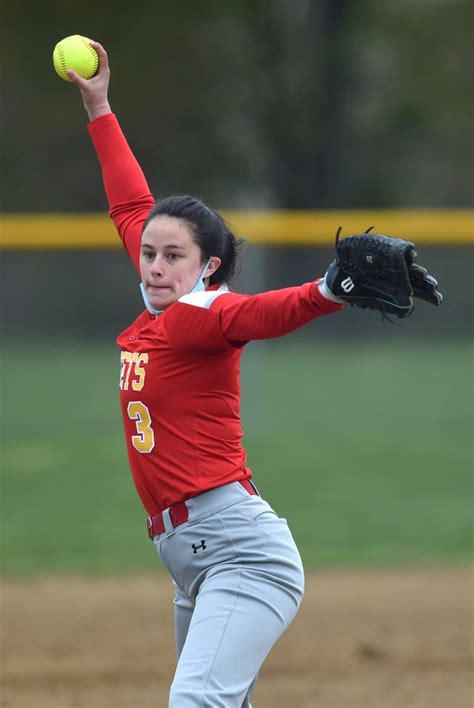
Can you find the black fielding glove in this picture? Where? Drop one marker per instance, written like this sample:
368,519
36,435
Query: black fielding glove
379,273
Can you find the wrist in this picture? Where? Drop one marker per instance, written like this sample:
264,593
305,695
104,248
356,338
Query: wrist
96,111
326,292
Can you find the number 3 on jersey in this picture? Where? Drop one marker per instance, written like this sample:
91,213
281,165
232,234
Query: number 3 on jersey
144,441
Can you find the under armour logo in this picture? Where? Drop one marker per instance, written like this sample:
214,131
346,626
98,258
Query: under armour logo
369,258
347,285
202,545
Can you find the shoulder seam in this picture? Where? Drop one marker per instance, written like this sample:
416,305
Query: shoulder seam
203,299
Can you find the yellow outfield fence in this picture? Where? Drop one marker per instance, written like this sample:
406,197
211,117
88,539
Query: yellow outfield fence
446,227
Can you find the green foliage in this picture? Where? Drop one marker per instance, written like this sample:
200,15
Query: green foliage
366,450
375,466
298,105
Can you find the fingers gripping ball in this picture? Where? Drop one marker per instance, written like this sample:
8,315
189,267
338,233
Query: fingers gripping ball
76,53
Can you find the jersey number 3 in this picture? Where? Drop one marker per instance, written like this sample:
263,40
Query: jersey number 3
144,441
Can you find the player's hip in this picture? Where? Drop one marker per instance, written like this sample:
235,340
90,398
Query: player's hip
229,529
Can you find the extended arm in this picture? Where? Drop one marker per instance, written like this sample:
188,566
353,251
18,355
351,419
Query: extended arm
126,188
216,320
273,313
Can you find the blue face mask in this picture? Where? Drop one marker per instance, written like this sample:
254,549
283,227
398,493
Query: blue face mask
199,287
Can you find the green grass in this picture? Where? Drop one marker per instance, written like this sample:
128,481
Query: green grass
365,449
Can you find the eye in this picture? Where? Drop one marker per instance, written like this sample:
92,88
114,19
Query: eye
171,257
148,255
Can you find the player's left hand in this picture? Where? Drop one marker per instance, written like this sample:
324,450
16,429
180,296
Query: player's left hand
380,273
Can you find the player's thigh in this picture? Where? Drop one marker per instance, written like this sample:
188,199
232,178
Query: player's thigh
247,702
183,612
239,614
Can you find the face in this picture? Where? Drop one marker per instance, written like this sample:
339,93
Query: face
170,261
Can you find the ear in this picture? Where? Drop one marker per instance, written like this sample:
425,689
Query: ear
213,266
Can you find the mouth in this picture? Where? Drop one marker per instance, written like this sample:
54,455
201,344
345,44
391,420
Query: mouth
158,288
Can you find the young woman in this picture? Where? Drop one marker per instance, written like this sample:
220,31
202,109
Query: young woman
237,572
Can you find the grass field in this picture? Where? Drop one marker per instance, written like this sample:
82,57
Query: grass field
365,449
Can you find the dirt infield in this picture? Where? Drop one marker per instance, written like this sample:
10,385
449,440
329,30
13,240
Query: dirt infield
361,640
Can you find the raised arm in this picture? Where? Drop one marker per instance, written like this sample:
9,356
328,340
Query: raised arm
126,188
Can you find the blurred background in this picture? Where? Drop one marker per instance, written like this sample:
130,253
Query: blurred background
252,105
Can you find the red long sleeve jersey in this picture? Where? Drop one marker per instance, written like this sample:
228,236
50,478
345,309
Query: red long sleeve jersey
180,371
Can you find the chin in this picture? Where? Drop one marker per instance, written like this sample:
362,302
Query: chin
162,304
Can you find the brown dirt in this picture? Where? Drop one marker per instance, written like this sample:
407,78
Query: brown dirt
361,640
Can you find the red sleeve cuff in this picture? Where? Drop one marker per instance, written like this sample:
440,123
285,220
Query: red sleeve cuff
324,303
95,125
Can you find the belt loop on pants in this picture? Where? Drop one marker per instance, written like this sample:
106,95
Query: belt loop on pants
249,486
179,513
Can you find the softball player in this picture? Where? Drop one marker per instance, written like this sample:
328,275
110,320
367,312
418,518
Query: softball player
237,573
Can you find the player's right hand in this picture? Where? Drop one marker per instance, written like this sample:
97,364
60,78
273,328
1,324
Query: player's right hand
94,91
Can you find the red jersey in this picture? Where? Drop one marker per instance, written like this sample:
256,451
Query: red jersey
179,381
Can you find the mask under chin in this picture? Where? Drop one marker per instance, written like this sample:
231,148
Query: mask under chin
147,304
199,287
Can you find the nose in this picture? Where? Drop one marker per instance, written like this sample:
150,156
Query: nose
157,267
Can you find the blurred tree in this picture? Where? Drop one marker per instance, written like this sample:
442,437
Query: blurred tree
302,68
315,103
413,103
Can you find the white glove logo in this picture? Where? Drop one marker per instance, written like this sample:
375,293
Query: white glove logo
347,285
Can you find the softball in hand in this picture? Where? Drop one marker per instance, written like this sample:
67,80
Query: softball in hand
76,53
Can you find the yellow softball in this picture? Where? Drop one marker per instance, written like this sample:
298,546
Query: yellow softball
76,53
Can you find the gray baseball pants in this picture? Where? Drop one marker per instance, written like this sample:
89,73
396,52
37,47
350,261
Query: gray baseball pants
239,581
